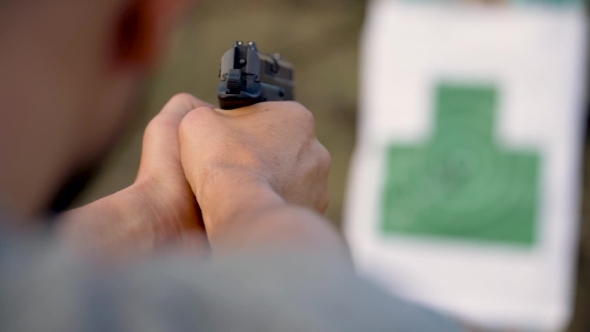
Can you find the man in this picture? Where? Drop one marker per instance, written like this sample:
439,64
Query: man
242,190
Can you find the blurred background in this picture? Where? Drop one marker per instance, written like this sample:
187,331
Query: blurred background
321,37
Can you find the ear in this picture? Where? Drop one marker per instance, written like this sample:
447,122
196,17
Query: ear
143,29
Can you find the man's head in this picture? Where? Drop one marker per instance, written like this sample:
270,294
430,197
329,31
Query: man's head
70,71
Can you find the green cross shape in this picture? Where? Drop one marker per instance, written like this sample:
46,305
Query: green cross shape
462,184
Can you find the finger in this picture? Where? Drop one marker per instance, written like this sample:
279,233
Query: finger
166,123
274,106
180,105
196,125
160,143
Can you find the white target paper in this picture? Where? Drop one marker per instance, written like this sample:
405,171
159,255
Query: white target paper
465,185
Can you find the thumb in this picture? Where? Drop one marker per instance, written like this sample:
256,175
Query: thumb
161,146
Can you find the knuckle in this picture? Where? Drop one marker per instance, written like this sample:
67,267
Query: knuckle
307,116
292,112
183,103
153,128
328,163
324,201
325,158
300,111
182,98
184,128
195,119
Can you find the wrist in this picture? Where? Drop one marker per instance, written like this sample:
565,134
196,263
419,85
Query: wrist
133,221
247,214
228,194
113,224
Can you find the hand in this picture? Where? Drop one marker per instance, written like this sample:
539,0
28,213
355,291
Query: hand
161,176
262,155
158,209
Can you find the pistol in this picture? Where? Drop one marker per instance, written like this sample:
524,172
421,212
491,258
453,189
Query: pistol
249,77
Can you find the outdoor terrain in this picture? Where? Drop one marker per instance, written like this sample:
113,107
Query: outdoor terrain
321,38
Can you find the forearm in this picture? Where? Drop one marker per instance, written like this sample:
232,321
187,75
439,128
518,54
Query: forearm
280,227
251,216
130,222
